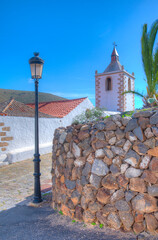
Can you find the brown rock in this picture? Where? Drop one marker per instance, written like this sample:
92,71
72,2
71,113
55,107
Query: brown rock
66,147
149,176
114,221
65,210
119,134
83,135
137,185
103,195
100,144
140,148
118,195
145,162
151,222
110,126
153,152
70,204
131,137
127,146
83,202
94,207
109,134
69,137
110,182
120,143
88,217
69,163
122,205
148,133
90,158
75,197
79,186
80,162
144,203
101,218
79,213
138,227
108,208
127,219
88,193
150,142
107,160
143,122
62,179
108,153
117,161
153,165
122,181
139,217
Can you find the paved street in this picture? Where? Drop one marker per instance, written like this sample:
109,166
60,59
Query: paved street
18,221
16,181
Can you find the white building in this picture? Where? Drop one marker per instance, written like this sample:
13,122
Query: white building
110,85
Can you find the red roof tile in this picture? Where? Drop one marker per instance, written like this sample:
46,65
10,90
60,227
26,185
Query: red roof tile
15,108
58,108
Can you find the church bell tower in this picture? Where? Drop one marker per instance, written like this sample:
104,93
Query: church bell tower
110,85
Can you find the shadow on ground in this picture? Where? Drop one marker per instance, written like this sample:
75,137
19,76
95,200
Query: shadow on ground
43,223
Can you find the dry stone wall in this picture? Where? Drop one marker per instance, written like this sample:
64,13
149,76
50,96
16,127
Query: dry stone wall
107,172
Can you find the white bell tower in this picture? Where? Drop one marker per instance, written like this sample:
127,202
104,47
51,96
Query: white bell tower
110,85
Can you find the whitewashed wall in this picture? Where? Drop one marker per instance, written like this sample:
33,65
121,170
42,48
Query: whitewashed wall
22,131
129,96
109,99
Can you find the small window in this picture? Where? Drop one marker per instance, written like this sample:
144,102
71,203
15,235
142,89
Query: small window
129,84
108,84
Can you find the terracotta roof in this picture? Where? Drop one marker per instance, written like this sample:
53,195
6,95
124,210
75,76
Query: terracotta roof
59,108
15,108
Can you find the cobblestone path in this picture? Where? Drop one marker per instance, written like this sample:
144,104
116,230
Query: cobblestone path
17,181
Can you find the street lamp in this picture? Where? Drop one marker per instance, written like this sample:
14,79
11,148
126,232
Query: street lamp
36,65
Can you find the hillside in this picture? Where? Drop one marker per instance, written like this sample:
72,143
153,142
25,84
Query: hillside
27,96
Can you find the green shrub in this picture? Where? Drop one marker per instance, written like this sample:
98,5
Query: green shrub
89,115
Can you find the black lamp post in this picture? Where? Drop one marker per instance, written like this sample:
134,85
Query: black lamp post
36,64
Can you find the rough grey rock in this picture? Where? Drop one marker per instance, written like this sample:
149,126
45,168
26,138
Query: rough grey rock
145,162
148,133
125,120
113,220
86,169
112,141
99,126
133,172
108,153
126,218
143,114
155,131
129,195
154,119
70,184
132,158
110,126
139,133
83,181
153,190
118,195
122,205
114,169
124,167
150,142
117,150
132,124
62,137
131,137
76,150
99,153
95,180
100,136
120,143
99,168
127,146
140,148
119,134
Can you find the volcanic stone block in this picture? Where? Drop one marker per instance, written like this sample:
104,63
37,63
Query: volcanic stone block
99,168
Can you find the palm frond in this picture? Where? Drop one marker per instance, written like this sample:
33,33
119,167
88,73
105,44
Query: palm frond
152,35
134,92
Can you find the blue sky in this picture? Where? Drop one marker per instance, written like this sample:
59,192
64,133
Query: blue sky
74,38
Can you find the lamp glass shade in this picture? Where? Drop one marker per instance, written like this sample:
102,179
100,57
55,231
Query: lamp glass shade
36,70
